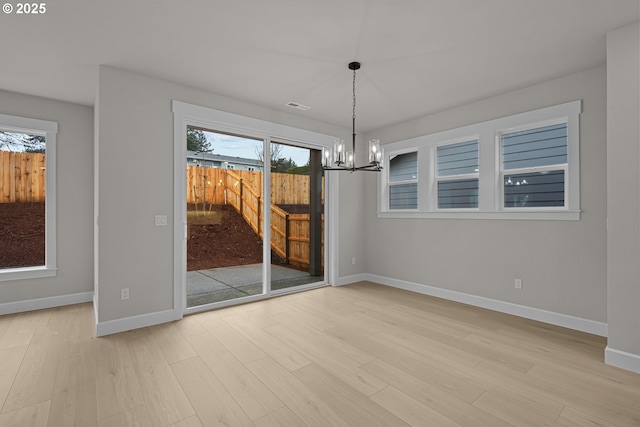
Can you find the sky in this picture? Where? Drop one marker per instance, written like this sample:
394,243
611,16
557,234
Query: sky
13,141
222,144
229,145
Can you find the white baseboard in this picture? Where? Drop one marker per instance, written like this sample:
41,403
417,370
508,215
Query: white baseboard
622,359
558,319
134,322
47,302
345,280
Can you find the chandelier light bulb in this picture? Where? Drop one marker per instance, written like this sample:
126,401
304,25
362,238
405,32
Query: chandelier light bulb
375,154
326,156
338,152
350,159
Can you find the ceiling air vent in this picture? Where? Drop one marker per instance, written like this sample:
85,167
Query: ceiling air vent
297,105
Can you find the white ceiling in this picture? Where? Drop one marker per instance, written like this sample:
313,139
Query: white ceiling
418,56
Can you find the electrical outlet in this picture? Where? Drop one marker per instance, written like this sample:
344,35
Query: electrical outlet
124,293
518,284
353,260
161,220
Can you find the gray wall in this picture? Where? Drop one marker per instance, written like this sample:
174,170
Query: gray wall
623,189
562,263
74,197
351,210
134,122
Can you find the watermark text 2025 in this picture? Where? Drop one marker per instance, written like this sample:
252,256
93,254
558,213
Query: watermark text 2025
25,8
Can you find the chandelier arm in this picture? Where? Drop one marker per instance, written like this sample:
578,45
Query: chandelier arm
369,166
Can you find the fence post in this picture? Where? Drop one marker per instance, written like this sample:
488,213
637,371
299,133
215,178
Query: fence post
259,222
315,213
240,201
204,191
286,237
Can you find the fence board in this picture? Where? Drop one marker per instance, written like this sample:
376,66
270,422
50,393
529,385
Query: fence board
5,176
279,231
208,185
22,177
243,190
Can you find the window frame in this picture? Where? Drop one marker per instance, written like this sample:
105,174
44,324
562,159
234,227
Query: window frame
49,130
449,178
531,169
490,182
390,183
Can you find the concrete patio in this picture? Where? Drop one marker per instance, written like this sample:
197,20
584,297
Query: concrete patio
222,284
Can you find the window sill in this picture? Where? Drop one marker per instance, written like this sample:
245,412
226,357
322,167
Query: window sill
520,215
26,273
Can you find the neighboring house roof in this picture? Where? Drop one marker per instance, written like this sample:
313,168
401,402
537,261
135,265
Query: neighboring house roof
219,158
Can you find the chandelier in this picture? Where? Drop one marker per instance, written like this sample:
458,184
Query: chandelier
338,158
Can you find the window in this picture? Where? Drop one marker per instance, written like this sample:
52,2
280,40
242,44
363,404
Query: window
403,181
27,190
534,164
457,175
524,166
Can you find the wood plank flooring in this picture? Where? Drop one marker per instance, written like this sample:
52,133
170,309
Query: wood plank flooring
358,355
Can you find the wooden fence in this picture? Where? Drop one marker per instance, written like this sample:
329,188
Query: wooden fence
290,237
208,185
22,177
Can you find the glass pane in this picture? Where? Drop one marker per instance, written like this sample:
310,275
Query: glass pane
22,200
403,167
297,218
536,189
458,159
224,217
458,194
535,147
403,196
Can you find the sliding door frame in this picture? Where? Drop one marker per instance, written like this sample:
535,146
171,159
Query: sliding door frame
185,115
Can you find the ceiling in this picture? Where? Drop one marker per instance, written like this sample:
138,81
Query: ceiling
418,56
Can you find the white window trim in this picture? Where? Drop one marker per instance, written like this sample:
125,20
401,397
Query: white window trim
389,184
557,167
437,179
49,130
490,193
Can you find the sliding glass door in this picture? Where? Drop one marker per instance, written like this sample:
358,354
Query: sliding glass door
224,207
229,216
297,204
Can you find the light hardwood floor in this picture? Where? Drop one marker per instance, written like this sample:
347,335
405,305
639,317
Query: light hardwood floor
358,355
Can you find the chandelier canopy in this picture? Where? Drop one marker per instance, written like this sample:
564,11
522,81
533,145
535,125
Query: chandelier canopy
342,160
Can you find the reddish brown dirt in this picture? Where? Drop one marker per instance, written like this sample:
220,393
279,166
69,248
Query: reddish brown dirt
221,239
21,234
